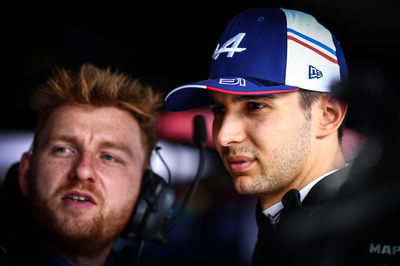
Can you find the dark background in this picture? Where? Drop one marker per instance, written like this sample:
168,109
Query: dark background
167,46
164,45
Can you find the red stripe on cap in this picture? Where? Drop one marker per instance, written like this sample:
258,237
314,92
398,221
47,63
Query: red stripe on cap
314,49
250,92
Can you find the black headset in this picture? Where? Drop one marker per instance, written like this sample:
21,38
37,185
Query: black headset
151,217
153,210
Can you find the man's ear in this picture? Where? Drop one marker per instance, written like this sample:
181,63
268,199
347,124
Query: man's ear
23,173
332,115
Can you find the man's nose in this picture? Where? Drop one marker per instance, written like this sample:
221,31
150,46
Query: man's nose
84,167
230,130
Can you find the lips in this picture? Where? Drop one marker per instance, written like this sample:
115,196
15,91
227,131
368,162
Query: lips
78,199
239,164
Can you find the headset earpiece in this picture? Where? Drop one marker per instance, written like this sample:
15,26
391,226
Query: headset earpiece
150,218
152,211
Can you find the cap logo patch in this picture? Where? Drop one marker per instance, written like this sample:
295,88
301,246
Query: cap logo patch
233,81
314,73
230,47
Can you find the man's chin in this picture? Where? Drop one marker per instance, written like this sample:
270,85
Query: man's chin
80,235
77,230
75,224
242,184
78,227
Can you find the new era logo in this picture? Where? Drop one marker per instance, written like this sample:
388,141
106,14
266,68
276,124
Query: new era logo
314,73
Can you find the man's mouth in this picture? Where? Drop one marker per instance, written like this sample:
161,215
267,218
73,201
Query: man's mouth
79,199
239,164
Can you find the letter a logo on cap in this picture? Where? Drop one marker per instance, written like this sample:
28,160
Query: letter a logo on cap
234,42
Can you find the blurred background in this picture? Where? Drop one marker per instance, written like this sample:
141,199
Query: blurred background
167,46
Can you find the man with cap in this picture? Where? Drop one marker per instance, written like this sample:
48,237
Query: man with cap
277,127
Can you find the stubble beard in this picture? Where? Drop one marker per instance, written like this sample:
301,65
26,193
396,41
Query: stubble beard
72,233
284,165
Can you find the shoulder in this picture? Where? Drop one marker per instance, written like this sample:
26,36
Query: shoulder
123,252
326,190
16,232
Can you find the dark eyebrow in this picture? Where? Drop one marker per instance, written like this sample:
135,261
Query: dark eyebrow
242,98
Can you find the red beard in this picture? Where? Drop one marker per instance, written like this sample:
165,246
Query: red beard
73,232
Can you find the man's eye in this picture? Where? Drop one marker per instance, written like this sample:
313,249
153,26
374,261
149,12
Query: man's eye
217,109
255,106
109,157
61,150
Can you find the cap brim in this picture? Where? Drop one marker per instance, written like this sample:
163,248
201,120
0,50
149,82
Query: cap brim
196,94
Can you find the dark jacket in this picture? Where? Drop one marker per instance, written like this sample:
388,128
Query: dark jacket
328,228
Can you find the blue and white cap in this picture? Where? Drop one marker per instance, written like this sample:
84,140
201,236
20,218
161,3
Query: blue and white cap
266,51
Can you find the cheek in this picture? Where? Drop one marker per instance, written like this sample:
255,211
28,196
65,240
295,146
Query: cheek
215,128
47,176
261,132
268,135
125,190
275,127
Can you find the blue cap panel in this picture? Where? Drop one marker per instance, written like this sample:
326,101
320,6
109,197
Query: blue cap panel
341,59
265,38
188,98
